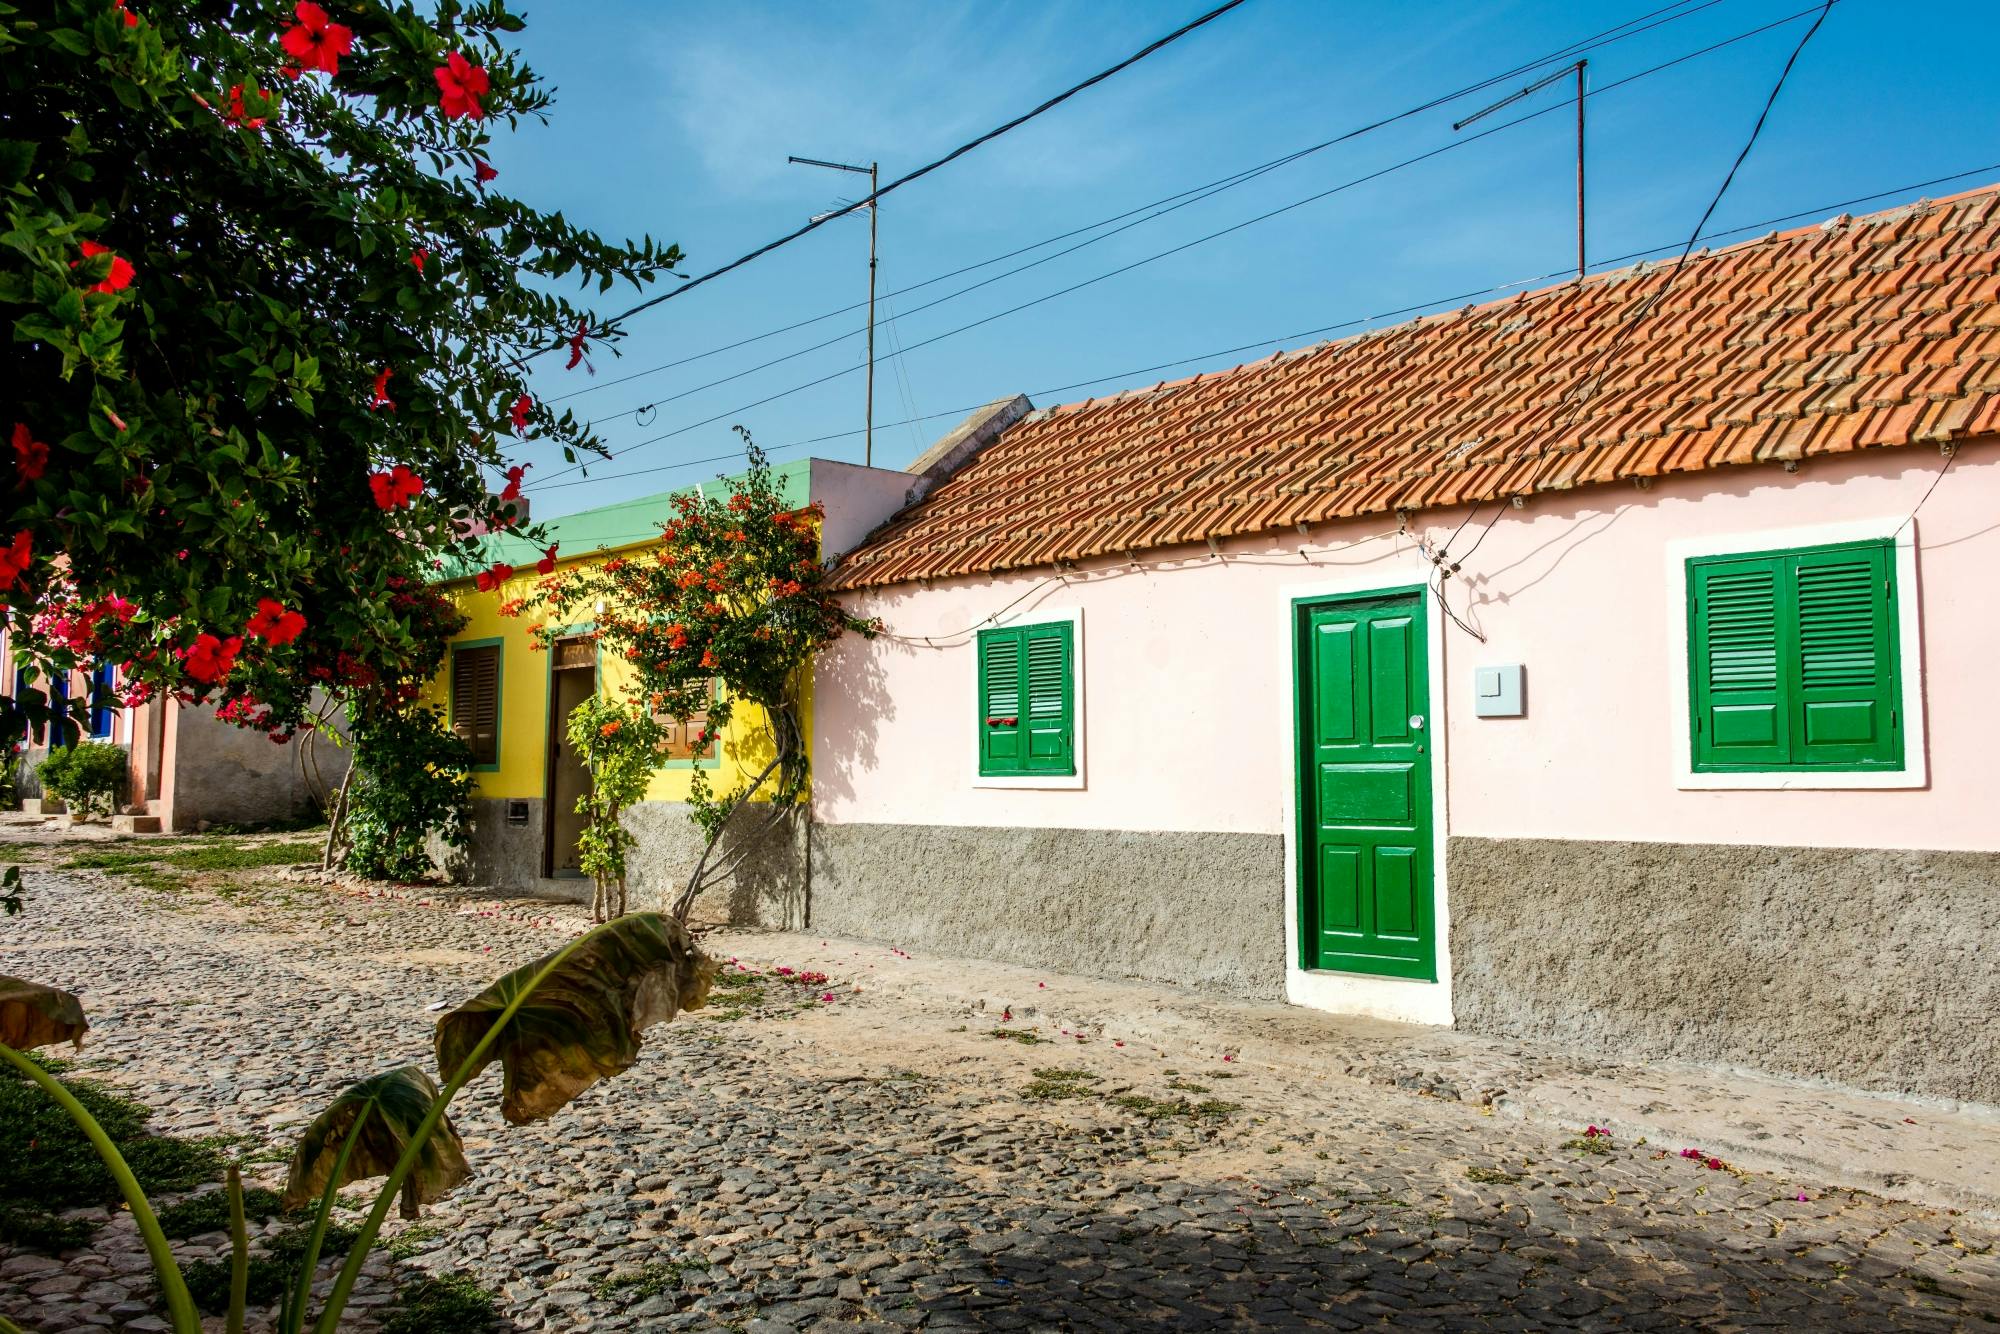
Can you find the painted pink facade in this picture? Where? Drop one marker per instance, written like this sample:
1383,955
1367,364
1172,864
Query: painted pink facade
1577,588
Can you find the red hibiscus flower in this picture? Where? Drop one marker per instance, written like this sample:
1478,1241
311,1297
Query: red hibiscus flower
131,19
482,173
211,659
396,488
274,625
522,406
14,559
121,273
418,256
238,116
460,86
317,42
380,398
576,346
488,580
31,456
547,564
513,489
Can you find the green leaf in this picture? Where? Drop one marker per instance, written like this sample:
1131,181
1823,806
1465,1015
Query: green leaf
17,158
394,1102
32,1015
585,1022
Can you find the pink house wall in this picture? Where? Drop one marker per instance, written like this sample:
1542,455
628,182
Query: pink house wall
1186,692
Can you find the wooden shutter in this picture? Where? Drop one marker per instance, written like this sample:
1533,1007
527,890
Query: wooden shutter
1049,693
1844,709
681,733
1000,702
1027,700
1793,660
475,701
1740,719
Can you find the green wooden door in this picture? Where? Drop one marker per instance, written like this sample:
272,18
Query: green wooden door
1366,902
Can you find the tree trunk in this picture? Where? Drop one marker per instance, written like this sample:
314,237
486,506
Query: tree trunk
786,763
335,820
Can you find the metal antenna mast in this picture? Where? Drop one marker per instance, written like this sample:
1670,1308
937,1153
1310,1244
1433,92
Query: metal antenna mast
1577,69
870,171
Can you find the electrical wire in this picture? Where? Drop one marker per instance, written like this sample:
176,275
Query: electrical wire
1453,146
1571,396
901,181
1180,199
1818,211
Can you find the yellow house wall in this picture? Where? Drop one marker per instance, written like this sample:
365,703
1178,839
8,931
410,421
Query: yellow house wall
524,703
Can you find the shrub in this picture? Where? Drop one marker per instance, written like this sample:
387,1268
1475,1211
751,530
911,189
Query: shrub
413,778
88,777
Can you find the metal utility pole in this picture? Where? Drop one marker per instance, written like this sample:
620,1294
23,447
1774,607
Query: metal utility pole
1577,69
871,172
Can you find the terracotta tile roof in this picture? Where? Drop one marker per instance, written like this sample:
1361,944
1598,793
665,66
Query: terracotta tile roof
1851,334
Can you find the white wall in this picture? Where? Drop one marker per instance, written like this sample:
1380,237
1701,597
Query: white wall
1188,708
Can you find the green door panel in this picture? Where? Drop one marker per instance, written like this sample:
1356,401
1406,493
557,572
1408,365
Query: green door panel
1366,898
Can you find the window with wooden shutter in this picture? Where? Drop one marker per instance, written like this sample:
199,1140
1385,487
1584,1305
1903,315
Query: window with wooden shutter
1027,701
1793,660
681,734
475,701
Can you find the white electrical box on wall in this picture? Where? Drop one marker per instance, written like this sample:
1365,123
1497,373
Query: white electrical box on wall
1497,691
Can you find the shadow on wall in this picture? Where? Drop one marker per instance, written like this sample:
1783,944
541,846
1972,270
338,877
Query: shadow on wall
856,663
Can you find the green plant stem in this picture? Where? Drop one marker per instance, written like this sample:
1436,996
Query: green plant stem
9,1327
239,1253
292,1319
364,1241
180,1306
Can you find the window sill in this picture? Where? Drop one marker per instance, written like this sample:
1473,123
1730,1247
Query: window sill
1047,782
1779,780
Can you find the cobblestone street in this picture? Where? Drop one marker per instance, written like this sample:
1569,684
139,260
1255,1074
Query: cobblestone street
787,1161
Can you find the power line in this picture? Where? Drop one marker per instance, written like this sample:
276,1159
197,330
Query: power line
925,170
1453,146
1575,400
1817,211
1178,200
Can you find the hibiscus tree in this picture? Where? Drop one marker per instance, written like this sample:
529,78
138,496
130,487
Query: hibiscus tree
729,608
269,304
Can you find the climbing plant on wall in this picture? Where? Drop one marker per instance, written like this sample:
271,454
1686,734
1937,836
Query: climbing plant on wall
733,595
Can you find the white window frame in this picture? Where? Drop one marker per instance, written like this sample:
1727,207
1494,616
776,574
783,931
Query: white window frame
1900,530
1049,782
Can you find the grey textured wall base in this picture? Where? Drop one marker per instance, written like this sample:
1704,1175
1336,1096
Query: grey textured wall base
1870,968
766,888
1199,909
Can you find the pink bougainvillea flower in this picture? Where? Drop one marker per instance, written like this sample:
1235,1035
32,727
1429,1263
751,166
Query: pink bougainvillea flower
211,659
380,398
396,488
15,557
460,86
522,406
576,348
547,564
482,173
274,625
31,456
121,274
418,256
317,42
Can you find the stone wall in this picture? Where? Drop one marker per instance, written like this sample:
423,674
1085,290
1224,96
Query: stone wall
765,888
1871,968
1198,909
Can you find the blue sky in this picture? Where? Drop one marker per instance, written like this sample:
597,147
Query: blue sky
676,120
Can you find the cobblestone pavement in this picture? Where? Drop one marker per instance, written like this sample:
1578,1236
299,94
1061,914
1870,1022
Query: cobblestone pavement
868,1163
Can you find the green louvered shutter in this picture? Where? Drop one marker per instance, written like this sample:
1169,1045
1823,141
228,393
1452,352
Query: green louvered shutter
1050,699
1739,708
1027,701
1793,660
1001,747
1844,710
